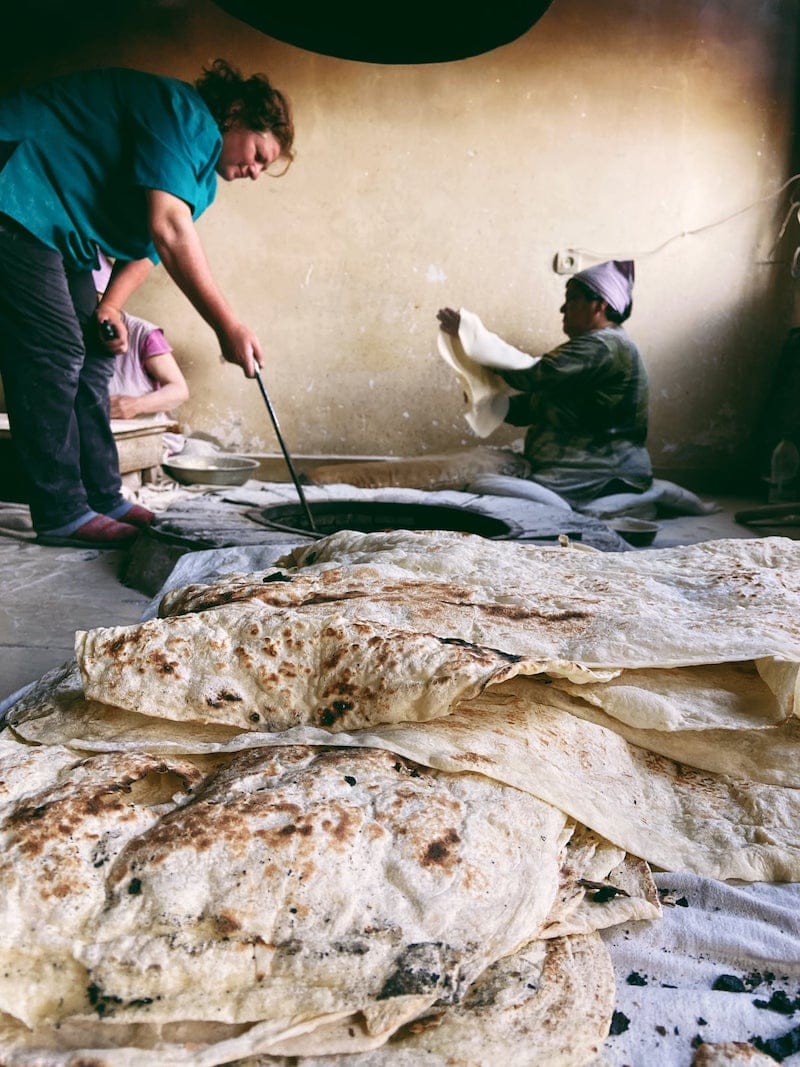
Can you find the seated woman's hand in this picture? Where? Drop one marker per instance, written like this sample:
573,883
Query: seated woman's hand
449,321
124,407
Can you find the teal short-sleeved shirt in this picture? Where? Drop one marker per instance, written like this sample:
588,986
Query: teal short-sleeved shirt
81,150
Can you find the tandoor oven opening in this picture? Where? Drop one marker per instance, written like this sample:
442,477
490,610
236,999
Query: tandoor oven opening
370,516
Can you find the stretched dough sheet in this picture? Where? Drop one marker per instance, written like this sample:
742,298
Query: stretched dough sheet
473,356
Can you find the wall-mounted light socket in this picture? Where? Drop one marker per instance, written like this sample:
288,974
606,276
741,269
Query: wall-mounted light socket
567,262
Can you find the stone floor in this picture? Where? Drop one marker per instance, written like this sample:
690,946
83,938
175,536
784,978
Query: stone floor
49,593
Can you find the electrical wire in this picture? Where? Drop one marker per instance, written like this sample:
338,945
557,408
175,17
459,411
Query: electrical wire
794,206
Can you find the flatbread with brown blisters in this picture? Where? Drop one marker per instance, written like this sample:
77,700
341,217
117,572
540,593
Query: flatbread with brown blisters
398,627
550,1003
339,890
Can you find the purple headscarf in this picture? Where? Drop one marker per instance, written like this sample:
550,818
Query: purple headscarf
613,280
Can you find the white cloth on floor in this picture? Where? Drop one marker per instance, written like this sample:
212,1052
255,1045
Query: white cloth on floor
665,970
507,485
661,495
472,355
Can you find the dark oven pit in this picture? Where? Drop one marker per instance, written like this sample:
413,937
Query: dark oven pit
370,516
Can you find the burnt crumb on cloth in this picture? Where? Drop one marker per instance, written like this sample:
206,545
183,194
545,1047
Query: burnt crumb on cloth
601,891
779,1048
634,978
729,983
619,1024
780,1002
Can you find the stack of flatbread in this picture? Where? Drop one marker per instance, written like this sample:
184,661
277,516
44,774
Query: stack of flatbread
373,805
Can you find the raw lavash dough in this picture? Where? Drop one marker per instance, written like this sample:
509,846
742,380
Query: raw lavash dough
473,356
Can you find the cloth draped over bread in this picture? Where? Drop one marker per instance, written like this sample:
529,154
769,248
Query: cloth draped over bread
379,799
474,356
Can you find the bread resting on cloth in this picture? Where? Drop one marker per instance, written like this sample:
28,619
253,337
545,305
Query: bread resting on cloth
545,1004
376,801
550,1000
290,899
370,628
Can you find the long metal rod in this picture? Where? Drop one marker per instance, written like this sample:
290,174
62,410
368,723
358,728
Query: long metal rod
285,451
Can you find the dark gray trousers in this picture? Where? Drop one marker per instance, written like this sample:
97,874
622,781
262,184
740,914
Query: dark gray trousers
55,377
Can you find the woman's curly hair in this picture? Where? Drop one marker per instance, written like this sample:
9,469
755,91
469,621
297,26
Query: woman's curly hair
251,102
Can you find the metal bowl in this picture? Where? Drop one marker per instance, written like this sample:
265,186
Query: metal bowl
210,470
635,531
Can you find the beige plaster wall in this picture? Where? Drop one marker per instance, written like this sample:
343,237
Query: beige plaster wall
629,129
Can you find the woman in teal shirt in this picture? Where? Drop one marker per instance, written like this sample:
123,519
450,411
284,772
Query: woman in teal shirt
125,161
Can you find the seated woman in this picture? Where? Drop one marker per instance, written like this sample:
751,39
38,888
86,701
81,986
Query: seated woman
585,403
146,379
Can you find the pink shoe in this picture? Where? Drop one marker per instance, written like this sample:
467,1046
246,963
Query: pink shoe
137,516
99,532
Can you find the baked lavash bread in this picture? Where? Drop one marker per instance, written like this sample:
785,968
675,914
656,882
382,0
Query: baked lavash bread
518,1012
460,620
655,727
375,628
293,900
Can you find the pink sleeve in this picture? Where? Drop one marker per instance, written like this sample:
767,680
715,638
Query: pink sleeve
155,344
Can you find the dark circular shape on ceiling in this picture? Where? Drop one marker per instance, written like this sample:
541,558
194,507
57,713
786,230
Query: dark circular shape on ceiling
417,31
